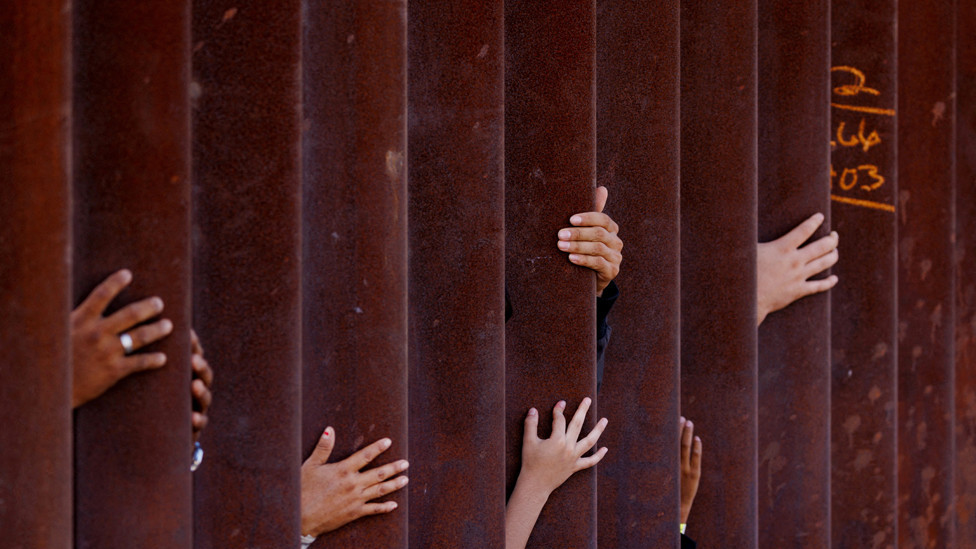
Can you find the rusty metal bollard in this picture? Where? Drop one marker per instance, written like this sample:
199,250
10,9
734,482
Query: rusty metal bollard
131,201
794,344
247,294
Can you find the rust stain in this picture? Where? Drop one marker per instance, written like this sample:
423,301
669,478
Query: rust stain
880,350
938,112
862,460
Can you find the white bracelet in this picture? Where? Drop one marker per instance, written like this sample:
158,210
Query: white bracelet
307,540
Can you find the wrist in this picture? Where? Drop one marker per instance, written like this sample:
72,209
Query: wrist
309,529
531,488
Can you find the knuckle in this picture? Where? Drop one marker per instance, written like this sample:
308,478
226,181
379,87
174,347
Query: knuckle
93,338
102,293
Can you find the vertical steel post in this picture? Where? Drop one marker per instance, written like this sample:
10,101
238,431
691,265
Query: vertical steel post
638,160
718,262
964,269
457,270
35,377
247,293
794,344
354,241
550,154
864,315
926,171
131,141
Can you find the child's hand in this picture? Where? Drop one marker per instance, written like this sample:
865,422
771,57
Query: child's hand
691,450
782,267
547,463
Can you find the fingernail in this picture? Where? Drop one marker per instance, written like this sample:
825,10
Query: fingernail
404,481
325,433
587,400
565,235
576,220
819,216
166,325
574,258
385,443
835,235
561,404
159,359
404,465
393,505
690,425
126,275
563,245
157,304
533,411
604,420
681,419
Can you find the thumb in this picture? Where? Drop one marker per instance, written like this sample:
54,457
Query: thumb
531,426
601,198
323,449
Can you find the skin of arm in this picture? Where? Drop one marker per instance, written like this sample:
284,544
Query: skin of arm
546,464
783,267
335,494
691,452
98,358
592,242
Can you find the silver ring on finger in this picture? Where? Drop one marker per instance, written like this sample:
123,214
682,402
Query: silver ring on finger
126,341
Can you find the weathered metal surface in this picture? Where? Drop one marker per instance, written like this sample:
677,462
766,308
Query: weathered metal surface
457,218
864,310
550,153
964,269
794,344
354,241
247,192
637,160
926,162
131,144
35,382
718,262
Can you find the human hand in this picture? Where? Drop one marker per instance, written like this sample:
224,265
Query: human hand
200,386
547,463
99,360
782,267
593,242
691,451
335,494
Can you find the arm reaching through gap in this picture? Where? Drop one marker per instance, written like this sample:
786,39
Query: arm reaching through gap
546,464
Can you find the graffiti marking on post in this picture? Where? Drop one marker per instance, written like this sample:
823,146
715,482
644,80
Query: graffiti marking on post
864,177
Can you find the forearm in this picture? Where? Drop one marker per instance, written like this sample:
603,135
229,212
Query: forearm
521,513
